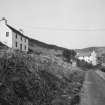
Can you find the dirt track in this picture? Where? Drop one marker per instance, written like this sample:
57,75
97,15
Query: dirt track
93,89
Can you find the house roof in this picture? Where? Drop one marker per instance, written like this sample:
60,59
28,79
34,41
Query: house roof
16,31
84,54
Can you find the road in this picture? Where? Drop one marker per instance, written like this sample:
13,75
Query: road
93,92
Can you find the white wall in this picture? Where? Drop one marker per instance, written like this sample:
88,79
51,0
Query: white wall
94,58
3,29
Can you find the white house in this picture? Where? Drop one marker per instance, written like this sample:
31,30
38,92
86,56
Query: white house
89,57
93,58
12,37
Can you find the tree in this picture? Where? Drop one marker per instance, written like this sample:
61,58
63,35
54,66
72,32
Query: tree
69,55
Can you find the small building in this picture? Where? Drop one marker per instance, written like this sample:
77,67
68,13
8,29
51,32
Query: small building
12,38
90,57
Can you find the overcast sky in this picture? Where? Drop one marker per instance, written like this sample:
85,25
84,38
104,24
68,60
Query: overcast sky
67,23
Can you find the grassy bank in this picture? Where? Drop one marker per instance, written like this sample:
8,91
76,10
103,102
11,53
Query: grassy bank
31,80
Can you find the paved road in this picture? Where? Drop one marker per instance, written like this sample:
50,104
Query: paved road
93,89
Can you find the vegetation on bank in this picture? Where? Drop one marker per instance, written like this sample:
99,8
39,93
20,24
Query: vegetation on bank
31,80
69,55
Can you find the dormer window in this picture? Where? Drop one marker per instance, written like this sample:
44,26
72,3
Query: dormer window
16,44
7,34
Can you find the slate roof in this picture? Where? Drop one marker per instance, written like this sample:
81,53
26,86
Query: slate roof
16,31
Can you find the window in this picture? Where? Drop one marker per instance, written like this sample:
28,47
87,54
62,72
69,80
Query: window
7,34
25,47
21,37
20,46
25,39
16,36
16,44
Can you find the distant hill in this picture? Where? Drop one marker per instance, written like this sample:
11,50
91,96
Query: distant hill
85,51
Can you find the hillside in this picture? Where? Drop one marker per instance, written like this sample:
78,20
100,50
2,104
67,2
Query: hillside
53,50
46,49
45,45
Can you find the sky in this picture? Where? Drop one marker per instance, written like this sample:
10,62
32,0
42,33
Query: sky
67,23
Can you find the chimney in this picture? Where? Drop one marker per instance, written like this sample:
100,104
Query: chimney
3,20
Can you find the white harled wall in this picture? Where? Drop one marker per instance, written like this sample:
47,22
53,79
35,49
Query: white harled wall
3,29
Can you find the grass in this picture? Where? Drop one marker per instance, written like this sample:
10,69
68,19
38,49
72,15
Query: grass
29,80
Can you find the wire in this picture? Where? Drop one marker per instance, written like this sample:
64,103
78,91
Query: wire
67,29
62,29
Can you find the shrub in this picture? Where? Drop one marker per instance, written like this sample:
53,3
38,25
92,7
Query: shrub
69,55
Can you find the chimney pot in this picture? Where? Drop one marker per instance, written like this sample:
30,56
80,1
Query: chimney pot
4,19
